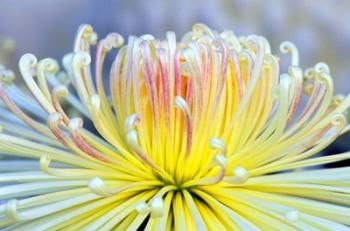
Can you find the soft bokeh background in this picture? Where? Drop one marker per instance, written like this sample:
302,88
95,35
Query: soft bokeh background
320,29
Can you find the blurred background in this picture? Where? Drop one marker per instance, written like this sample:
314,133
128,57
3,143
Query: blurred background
320,29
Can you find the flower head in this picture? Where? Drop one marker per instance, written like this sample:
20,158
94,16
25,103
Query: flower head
201,134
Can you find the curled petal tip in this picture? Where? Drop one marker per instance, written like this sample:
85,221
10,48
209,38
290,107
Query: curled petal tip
216,143
44,162
142,208
81,59
98,186
11,209
239,175
60,91
157,207
75,123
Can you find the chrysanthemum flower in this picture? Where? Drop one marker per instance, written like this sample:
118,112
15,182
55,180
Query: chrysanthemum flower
201,134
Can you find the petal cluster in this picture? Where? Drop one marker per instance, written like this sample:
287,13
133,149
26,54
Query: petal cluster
205,133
